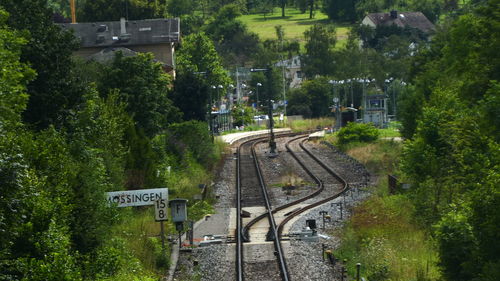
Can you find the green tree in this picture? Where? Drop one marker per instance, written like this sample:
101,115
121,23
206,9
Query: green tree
319,56
143,86
191,95
55,91
197,54
270,79
15,75
301,5
312,100
178,8
453,158
231,37
113,10
242,115
340,10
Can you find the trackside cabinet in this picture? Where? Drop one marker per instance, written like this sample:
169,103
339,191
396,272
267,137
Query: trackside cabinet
178,207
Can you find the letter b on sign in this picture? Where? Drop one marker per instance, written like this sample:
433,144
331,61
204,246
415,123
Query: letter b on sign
161,210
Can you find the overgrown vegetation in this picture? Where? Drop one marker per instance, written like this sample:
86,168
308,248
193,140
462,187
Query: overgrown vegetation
66,139
71,130
452,159
309,124
357,132
383,234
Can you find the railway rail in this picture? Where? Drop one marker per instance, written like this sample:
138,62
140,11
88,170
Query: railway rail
247,161
246,155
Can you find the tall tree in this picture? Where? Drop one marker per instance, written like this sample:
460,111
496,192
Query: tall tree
197,54
319,56
231,36
55,91
191,95
340,10
143,85
453,159
112,10
199,68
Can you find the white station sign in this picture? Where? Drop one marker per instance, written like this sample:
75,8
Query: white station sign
141,197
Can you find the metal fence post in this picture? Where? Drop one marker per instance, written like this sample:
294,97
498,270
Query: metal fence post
358,266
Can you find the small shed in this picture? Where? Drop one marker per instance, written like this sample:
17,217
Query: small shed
375,110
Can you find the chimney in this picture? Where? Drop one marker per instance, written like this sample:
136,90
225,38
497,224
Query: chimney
394,14
123,28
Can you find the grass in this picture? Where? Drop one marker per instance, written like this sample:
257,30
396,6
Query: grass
382,233
390,246
389,133
294,25
380,157
392,130
309,124
140,234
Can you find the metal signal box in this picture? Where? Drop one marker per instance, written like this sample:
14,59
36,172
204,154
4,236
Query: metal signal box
178,207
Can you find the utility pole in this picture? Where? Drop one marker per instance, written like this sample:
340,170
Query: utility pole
73,11
269,74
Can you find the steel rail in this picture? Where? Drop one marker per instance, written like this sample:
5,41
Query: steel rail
247,227
239,242
277,244
242,232
318,181
239,229
320,189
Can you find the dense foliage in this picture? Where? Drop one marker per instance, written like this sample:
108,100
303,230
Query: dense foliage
319,56
71,131
142,84
311,99
357,132
55,91
453,157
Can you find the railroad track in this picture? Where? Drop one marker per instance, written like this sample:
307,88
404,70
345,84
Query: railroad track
249,187
247,162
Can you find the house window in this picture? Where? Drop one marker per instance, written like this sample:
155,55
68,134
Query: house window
299,74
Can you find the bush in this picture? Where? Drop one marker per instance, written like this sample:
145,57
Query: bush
357,132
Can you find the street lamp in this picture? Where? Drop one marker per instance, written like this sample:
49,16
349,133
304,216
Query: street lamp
268,74
334,106
242,86
228,123
258,85
209,113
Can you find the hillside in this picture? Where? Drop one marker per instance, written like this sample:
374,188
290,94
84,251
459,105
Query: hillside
295,24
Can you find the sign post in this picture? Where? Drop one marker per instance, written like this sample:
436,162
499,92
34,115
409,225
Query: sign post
134,198
161,215
179,215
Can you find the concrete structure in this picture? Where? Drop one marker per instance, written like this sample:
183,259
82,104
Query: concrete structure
99,40
401,19
293,72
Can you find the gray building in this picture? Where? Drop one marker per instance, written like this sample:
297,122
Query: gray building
401,19
157,36
293,72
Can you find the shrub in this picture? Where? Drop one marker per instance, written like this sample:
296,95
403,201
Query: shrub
357,132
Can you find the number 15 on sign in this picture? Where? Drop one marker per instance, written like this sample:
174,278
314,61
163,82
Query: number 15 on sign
161,210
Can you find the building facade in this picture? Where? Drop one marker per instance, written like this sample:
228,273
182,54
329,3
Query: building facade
157,36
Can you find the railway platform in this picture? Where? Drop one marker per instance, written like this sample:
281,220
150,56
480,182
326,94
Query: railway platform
234,137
